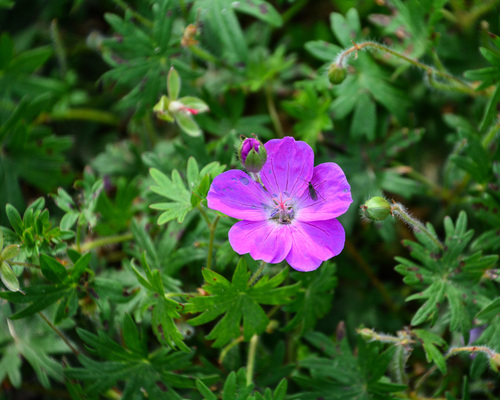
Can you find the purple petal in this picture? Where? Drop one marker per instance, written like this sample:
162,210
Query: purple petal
333,195
314,242
264,240
289,166
235,194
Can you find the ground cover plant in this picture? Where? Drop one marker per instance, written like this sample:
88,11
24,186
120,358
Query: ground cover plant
282,199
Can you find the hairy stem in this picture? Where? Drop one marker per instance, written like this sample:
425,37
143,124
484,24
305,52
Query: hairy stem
105,241
458,83
122,4
257,273
467,349
399,211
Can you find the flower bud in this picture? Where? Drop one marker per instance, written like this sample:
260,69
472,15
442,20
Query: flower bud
252,154
336,74
376,209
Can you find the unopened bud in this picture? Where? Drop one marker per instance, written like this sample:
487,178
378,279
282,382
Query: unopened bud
376,209
336,74
252,154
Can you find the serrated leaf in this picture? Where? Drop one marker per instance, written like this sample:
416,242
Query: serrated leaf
314,299
238,303
173,190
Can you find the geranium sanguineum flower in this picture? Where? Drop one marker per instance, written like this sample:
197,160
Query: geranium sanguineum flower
292,215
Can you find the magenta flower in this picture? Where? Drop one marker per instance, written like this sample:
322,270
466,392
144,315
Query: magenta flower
293,216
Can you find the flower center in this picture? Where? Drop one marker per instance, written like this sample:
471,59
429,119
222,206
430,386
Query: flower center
283,211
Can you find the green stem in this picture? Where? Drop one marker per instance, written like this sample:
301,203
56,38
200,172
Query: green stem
139,17
273,112
205,55
398,210
226,349
86,114
468,349
460,85
212,227
24,264
59,333
293,10
252,350
490,135
257,273
105,241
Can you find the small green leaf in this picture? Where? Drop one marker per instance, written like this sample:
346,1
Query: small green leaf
80,266
490,311
173,84
10,251
323,50
8,277
52,270
187,123
205,391
15,219
259,9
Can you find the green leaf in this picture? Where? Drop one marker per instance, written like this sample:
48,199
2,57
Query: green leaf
205,391
173,190
8,277
430,341
347,28
314,299
323,50
14,219
490,311
223,27
187,123
80,266
10,251
259,9
52,270
173,84
238,302
435,295
164,326
364,120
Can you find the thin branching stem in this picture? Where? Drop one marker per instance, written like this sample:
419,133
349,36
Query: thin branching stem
459,84
60,334
226,349
273,112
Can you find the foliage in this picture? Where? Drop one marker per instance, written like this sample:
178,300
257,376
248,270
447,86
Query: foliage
117,280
